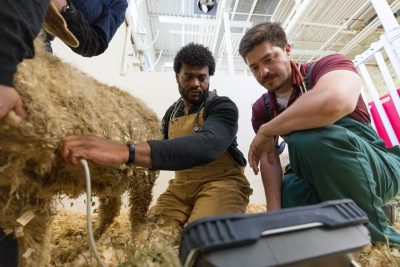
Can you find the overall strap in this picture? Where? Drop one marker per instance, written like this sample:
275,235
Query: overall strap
268,111
307,79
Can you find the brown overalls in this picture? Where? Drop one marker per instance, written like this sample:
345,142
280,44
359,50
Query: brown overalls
216,188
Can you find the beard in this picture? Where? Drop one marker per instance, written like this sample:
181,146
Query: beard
187,95
276,84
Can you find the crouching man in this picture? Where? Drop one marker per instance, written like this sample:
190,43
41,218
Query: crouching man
334,152
199,144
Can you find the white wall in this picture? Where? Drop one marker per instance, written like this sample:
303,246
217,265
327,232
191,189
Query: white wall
159,90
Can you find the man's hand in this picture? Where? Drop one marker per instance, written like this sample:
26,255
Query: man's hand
60,4
100,150
261,144
11,100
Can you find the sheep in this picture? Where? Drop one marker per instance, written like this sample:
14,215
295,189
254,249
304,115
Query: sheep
61,101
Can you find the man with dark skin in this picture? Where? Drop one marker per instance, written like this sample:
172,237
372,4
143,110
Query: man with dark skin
199,144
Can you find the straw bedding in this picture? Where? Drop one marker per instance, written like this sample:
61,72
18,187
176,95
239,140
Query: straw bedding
61,101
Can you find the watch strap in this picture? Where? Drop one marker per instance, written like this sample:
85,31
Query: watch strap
131,158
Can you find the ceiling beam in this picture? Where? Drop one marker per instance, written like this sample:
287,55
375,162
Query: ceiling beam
191,33
228,43
234,9
303,8
367,31
331,26
202,21
309,52
217,32
253,6
183,25
292,9
333,37
254,14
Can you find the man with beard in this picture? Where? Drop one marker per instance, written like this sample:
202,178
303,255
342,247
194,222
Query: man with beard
199,144
334,152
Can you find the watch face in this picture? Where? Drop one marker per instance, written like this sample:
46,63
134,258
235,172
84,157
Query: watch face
196,128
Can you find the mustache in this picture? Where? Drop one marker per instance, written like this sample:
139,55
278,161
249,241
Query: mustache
269,77
194,90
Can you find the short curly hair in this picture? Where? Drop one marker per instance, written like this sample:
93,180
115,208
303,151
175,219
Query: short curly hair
194,55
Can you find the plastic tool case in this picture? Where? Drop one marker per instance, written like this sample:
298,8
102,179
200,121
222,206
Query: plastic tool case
319,235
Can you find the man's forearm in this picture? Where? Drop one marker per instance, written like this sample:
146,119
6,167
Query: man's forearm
143,155
307,112
272,180
333,97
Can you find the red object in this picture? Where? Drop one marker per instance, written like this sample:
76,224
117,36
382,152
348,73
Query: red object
393,116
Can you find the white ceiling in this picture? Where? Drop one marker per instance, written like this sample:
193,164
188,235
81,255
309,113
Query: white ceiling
314,28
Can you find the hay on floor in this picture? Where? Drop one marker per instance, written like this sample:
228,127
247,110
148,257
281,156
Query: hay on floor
118,248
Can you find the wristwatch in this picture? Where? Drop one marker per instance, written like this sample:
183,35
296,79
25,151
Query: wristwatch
131,158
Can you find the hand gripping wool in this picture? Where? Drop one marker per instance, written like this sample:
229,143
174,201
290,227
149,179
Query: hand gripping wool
62,101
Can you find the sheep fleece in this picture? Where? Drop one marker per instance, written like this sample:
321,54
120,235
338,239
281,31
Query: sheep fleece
61,101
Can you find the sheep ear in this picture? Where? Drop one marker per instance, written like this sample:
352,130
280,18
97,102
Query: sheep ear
55,24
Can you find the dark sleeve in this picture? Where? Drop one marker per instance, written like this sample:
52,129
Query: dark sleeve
258,116
20,22
112,18
94,39
217,134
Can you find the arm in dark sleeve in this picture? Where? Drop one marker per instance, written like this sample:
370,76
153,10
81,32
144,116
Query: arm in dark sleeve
218,132
20,22
94,38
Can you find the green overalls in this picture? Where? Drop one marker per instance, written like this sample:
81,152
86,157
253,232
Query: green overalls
344,160
216,188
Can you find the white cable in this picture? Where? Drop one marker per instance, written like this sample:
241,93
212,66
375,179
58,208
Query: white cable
152,42
92,243
155,63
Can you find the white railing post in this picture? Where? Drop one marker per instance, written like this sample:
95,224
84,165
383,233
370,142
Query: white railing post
389,23
375,97
387,78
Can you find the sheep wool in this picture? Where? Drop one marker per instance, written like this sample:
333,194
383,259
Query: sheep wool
62,101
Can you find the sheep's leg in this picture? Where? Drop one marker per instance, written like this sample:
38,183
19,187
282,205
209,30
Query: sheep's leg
109,209
140,197
34,245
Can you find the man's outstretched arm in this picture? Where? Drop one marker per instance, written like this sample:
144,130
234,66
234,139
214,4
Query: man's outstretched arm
102,151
